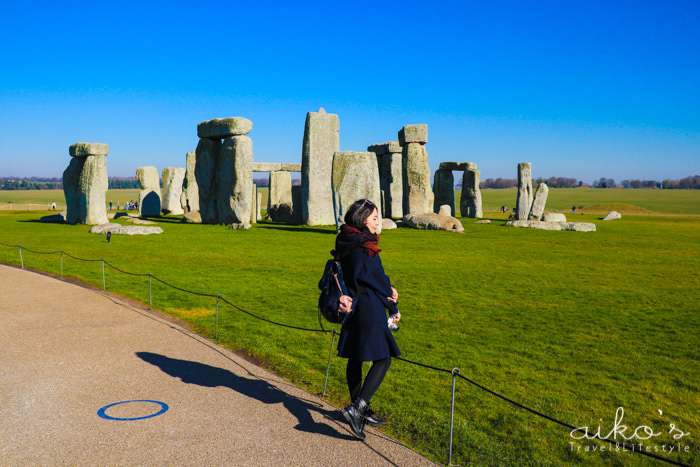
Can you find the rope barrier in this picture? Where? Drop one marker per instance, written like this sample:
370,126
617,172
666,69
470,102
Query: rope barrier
454,372
40,252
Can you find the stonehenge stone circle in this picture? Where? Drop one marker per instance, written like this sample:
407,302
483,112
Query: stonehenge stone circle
470,201
149,196
173,178
539,202
389,160
235,180
432,221
417,192
524,201
85,184
220,128
279,201
355,176
189,200
205,173
321,142
444,191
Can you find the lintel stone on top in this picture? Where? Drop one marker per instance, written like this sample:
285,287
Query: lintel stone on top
392,147
413,134
457,165
219,128
275,167
88,149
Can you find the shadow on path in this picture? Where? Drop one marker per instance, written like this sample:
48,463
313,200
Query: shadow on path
209,376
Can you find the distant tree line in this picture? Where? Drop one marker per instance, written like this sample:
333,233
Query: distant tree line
687,183
54,183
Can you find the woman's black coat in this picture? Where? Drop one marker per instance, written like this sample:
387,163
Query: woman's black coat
365,336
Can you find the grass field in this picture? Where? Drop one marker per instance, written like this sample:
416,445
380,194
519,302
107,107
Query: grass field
573,325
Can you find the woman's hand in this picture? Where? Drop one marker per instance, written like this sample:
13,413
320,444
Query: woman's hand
396,316
345,304
394,296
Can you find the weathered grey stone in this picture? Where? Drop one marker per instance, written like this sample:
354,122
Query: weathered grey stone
391,147
85,185
279,202
539,202
417,192
391,184
189,200
388,224
118,229
149,195
432,221
192,217
445,210
88,149
321,141
570,226
173,179
459,166
235,180
612,215
258,197
413,134
470,200
355,176
578,226
553,217
219,128
524,202
275,167
255,207
207,153
444,191
482,221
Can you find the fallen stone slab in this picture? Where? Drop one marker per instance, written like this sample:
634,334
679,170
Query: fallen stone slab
553,217
432,221
118,229
570,226
88,149
612,215
220,128
483,221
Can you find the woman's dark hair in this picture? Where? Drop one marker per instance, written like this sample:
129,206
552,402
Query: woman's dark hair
358,213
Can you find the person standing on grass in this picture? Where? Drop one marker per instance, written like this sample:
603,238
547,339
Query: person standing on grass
365,336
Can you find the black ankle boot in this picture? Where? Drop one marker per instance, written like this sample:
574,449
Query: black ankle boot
357,412
372,420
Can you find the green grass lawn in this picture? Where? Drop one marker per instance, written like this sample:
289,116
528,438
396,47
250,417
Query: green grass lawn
571,324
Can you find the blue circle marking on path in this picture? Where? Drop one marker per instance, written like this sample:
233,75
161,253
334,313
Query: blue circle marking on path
103,411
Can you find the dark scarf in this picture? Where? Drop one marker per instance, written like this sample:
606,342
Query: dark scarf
350,238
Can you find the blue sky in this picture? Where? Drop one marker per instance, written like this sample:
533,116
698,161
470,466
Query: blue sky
580,89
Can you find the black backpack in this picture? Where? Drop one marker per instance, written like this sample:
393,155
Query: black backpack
332,287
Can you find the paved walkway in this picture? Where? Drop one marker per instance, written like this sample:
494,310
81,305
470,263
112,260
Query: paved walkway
66,352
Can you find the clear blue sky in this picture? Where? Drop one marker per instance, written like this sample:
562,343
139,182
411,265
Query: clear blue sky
581,89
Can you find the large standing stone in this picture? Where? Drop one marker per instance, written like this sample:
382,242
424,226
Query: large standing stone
207,153
279,202
444,187
470,201
390,164
321,141
189,200
417,193
355,176
524,202
85,184
235,180
539,202
173,178
258,204
255,209
149,196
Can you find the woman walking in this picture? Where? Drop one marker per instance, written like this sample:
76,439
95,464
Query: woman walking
365,336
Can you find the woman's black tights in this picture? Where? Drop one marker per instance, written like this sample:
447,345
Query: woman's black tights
374,378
